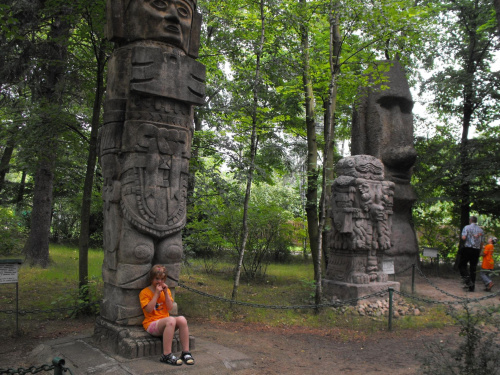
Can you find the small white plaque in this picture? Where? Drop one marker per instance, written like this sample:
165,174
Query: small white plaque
430,252
388,266
8,273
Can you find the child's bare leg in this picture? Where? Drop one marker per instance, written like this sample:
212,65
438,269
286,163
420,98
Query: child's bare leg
182,325
167,326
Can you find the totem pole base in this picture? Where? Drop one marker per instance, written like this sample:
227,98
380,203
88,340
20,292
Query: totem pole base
338,290
131,341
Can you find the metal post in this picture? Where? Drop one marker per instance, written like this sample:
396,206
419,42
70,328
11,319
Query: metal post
17,309
58,365
391,291
413,278
438,264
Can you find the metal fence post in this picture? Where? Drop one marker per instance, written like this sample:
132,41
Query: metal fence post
438,264
391,291
58,365
413,278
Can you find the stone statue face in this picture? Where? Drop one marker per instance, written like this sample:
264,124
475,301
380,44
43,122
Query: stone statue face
394,120
162,20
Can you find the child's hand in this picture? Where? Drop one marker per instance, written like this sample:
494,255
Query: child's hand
159,288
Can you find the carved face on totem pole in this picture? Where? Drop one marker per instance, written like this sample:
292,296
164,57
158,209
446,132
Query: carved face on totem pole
161,20
175,22
145,141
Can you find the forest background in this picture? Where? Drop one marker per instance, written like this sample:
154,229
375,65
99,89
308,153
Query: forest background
282,83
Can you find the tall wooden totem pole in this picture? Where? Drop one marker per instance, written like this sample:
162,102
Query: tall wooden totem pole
153,83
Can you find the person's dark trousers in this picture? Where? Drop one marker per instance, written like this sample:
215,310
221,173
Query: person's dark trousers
469,256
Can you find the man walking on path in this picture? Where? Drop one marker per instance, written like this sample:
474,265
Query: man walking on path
472,234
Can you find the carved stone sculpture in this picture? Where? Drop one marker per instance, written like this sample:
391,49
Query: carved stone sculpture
153,83
383,127
361,212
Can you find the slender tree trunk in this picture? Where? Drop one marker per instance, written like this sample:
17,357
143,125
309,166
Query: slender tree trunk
20,192
312,149
464,175
83,265
329,119
465,167
329,144
253,153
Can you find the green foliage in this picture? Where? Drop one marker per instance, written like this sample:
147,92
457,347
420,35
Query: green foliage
11,232
435,229
438,184
214,228
476,352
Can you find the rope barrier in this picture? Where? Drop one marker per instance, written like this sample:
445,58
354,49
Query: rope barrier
281,307
462,299
286,307
436,287
403,271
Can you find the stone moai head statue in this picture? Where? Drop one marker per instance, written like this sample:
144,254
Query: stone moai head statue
383,127
383,123
168,21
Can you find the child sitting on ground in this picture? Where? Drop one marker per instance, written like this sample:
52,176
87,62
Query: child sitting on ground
156,302
488,263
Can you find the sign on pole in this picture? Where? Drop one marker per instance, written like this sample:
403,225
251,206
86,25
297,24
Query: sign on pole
8,275
9,270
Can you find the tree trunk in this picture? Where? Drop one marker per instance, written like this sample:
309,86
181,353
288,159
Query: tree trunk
20,192
329,145
36,248
312,148
52,70
468,111
253,153
5,161
83,246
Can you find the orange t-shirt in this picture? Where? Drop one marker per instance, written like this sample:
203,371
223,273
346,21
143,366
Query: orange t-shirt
488,262
160,311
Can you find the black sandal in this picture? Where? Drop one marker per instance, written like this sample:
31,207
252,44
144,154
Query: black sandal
170,359
187,358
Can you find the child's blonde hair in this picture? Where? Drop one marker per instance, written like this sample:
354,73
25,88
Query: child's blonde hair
494,240
157,271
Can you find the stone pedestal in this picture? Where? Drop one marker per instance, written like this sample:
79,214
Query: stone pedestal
338,290
132,341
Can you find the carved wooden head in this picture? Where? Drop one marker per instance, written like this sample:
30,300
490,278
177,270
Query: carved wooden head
175,22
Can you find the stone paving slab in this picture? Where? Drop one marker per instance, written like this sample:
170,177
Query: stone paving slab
84,358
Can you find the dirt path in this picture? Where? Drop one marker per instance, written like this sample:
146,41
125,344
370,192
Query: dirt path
291,350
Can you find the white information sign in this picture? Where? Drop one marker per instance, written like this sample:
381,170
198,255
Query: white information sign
8,273
388,266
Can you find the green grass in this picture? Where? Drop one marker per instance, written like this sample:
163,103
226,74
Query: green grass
283,285
57,285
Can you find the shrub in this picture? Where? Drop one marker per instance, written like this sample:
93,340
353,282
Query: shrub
477,352
11,232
